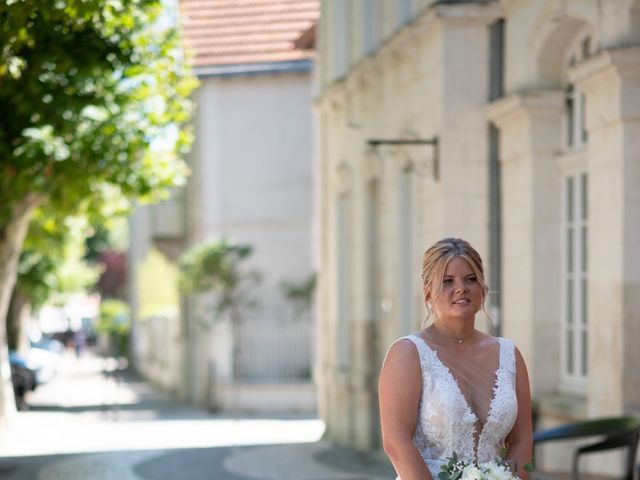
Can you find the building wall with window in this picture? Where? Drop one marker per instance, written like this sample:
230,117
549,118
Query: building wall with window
250,181
535,106
378,208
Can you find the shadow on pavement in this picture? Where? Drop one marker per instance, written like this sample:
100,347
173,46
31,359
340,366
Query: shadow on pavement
183,464
353,461
188,464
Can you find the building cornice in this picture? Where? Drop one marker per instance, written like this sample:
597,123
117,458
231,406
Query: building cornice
366,73
530,103
398,46
333,98
624,62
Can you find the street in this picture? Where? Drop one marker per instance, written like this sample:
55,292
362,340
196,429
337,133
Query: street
96,421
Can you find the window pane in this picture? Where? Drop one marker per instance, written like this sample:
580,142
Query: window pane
583,197
569,250
569,352
569,318
371,24
404,11
569,185
584,353
340,45
575,279
496,60
583,118
586,47
568,111
583,298
583,249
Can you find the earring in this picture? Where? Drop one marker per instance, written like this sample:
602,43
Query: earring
429,306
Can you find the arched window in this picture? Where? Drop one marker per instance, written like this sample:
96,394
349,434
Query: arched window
575,101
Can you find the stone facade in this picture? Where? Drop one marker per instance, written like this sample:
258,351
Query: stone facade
535,110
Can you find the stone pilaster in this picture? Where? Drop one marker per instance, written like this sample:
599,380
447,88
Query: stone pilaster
530,138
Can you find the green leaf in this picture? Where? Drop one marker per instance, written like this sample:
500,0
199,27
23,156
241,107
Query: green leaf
215,267
69,78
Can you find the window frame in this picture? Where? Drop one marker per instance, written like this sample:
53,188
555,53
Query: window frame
574,252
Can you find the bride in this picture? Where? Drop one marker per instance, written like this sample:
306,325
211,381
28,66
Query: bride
450,388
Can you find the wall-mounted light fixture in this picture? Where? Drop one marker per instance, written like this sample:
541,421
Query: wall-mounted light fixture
433,162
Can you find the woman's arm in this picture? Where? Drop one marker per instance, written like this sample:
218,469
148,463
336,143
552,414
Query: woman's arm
520,439
400,387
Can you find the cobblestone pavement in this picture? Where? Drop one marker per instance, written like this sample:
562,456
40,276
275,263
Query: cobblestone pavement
95,421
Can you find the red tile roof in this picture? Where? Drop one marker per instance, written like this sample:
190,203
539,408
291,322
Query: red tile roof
228,32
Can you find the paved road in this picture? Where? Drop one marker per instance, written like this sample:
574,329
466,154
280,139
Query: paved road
89,424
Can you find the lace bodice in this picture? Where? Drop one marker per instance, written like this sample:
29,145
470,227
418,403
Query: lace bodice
446,422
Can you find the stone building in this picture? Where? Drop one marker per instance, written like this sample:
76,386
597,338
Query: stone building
251,180
514,124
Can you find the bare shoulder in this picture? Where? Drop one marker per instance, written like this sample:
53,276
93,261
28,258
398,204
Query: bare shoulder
401,369
402,359
402,350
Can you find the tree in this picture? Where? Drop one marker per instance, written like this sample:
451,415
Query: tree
115,322
215,268
113,278
300,295
107,248
51,265
95,96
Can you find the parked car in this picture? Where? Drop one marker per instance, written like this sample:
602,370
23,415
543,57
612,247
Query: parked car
45,363
23,379
44,357
46,342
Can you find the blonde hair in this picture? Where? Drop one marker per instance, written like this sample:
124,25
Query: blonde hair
436,259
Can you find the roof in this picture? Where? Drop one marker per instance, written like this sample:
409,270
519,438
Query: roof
232,32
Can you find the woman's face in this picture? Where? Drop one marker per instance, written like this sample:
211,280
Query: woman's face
461,293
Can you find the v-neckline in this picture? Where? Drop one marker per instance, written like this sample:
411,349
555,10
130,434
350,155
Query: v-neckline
464,399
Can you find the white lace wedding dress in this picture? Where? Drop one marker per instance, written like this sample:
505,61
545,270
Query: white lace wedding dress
446,422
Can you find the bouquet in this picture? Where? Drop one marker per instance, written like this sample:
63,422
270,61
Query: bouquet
456,469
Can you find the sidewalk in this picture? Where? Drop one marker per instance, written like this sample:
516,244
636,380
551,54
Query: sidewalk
118,428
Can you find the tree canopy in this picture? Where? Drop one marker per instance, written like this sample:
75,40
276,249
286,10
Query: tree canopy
94,96
87,86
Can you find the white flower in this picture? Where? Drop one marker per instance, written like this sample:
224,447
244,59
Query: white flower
461,470
471,472
494,471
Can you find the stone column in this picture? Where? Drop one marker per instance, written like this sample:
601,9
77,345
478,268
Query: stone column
530,138
611,82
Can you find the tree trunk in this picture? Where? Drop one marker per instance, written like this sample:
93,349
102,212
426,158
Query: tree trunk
12,234
19,308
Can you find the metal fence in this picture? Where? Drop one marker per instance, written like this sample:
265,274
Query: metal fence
275,350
